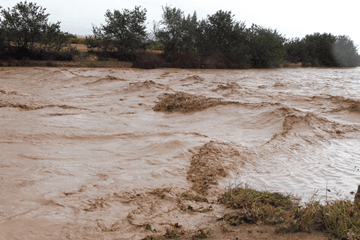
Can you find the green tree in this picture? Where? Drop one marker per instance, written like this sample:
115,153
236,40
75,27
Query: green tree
345,52
124,32
26,27
222,32
2,38
295,50
319,49
220,35
266,47
176,31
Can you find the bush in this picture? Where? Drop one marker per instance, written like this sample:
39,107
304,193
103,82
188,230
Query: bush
154,45
183,59
76,41
149,60
58,56
92,44
215,60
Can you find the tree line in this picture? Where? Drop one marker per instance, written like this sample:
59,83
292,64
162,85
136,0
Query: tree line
26,33
219,41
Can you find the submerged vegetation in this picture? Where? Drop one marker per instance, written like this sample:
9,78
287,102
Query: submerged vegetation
178,40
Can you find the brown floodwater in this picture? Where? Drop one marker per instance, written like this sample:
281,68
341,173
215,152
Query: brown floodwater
83,153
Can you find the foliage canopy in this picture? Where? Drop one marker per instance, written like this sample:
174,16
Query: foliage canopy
266,47
218,41
26,27
220,35
124,32
345,52
323,50
176,31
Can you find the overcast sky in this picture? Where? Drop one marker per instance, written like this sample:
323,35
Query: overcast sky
290,18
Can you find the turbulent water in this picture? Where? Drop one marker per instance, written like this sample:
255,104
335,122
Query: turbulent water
82,151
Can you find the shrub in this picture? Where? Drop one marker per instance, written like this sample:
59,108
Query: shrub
154,45
76,41
215,60
183,59
148,60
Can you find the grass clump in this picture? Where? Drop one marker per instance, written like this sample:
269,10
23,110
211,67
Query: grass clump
341,218
257,206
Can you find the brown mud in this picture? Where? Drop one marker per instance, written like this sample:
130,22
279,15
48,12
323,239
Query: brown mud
185,102
127,153
212,162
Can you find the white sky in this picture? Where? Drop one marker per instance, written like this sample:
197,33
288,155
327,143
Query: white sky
290,18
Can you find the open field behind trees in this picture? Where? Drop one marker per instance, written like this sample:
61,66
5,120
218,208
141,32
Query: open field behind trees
184,41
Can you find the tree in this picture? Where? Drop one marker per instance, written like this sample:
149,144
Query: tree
26,27
2,37
266,47
124,31
295,50
176,31
345,52
221,35
319,49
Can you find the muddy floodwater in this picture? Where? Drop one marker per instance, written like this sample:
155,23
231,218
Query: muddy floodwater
101,153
